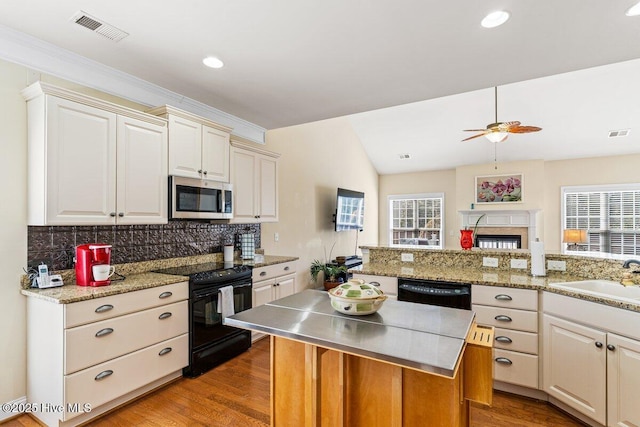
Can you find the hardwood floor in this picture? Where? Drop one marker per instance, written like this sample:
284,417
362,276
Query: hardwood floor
236,393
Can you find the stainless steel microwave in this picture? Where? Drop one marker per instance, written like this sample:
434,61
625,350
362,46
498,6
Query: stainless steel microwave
191,198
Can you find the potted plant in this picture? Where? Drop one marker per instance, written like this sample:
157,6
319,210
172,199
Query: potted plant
331,273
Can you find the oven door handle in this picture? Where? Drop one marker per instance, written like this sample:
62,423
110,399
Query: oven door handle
214,291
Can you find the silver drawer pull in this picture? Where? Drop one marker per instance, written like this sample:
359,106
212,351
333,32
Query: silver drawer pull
377,284
164,351
103,332
165,294
103,375
503,297
503,318
104,308
164,315
263,273
504,339
503,360
286,268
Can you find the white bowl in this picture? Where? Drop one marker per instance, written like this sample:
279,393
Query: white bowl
356,298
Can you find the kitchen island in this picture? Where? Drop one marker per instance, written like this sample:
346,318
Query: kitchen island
406,365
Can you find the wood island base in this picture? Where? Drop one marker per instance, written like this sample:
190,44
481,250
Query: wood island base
317,386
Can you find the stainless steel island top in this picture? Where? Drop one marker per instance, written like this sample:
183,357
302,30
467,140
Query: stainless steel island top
423,337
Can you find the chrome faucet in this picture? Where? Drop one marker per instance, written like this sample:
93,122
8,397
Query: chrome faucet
628,262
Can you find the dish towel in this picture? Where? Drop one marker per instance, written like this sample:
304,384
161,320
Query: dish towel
225,301
248,245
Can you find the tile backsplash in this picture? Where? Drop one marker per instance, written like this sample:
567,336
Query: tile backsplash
55,245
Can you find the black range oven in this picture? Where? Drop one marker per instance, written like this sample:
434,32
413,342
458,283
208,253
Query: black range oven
211,342
435,292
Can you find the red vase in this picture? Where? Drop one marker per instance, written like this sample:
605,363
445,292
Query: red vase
466,239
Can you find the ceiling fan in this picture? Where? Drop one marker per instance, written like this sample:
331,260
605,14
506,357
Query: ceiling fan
499,131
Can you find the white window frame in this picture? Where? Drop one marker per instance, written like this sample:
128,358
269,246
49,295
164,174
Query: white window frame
604,225
440,196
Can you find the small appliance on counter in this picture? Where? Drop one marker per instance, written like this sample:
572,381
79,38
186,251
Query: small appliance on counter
93,264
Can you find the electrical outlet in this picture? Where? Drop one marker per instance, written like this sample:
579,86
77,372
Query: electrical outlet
518,263
276,237
406,257
557,265
489,262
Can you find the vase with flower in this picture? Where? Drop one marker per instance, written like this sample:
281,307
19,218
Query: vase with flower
467,236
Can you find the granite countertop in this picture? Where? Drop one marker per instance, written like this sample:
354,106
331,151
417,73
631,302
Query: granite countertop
424,337
489,277
137,276
134,282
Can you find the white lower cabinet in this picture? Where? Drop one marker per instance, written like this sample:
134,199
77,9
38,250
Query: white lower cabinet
514,314
273,282
388,284
88,357
589,365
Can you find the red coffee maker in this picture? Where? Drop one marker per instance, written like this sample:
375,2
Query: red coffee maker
88,256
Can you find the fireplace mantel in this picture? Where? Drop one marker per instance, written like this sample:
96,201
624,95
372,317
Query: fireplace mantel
502,218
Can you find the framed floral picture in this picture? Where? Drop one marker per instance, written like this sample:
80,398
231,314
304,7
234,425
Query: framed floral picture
499,188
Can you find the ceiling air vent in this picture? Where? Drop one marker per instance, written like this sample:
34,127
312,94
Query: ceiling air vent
97,26
618,133
404,156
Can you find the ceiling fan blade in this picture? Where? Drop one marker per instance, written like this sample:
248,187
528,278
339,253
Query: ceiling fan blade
474,136
524,129
474,130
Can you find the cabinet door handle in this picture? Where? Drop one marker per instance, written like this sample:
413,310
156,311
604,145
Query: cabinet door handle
375,284
503,360
103,332
112,214
611,347
263,273
166,294
103,375
199,170
205,172
598,344
164,351
504,339
120,214
503,297
164,315
103,308
502,318
286,268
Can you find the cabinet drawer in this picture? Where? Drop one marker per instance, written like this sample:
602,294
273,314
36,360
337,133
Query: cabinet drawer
388,285
79,313
525,342
506,318
127,373
98,342
525,299
515,368
270,271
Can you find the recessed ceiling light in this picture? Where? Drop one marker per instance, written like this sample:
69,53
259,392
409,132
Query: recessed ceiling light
495,19
212,62
633,10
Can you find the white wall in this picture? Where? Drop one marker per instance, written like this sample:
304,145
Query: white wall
316,159
13,231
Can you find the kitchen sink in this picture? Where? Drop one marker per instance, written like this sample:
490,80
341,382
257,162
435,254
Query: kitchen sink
602,288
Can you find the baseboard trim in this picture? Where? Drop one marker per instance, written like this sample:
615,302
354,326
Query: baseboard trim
18,403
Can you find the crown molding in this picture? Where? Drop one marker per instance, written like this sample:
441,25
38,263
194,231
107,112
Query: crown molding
33,53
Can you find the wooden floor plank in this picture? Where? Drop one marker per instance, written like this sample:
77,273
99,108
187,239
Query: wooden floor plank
236,393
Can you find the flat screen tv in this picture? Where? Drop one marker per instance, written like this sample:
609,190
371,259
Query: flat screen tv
349,210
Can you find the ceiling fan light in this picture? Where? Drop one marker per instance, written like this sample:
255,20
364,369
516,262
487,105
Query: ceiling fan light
497,136
633,10
495,19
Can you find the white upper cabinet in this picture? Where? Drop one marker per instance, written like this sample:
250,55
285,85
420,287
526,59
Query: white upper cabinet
92,162
198,148
254,175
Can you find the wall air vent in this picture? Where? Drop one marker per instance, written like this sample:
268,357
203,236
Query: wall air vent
99,27
404,156
619,133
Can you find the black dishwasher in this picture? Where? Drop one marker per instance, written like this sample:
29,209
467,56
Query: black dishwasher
435,292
